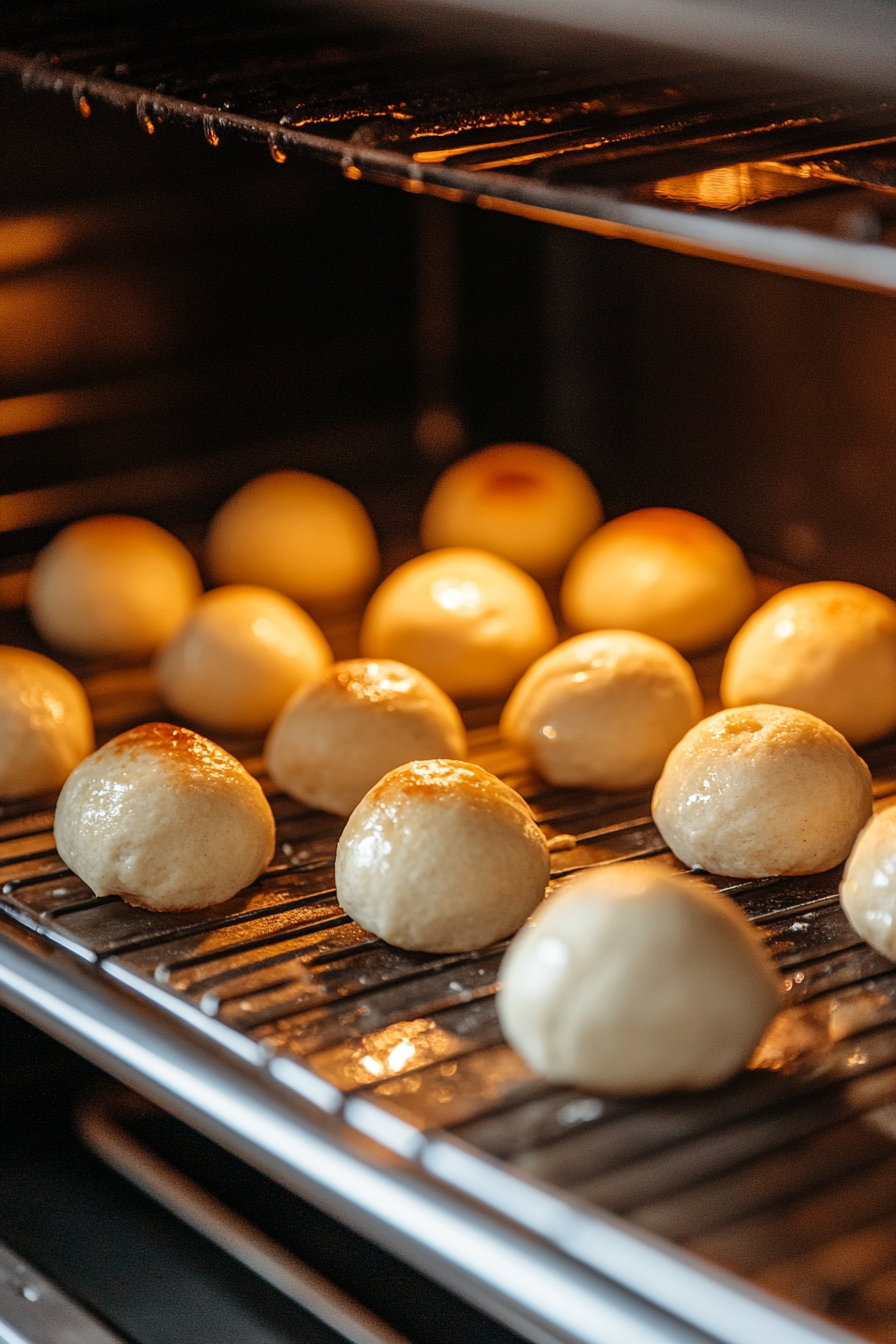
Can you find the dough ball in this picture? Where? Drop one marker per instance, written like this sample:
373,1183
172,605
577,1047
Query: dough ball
298,533
45,724
668,573
469,620
239,657
165,819
529,504
631,980
829,648
868,889
337,737
603,711
762,791
440,856
112,586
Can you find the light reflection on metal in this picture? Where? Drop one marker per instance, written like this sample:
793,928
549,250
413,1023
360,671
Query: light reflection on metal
734,186
77,406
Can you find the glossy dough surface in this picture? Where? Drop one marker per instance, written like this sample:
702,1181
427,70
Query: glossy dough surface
665,572
338,736
299,533
603,710
441,856
112,586
529,504
165,819
631,980
238,658
45,723
828,648
762,791
471,621
868,889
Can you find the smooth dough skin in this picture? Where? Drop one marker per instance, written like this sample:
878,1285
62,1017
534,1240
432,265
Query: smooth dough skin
762,791
665,572
603,711
165,819
441,856
239,657
526,503
868,889
471,621
45,724
338,736
630,980
303,535
829,648
112,586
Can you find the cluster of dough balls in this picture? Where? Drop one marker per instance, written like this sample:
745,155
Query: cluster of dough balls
112,586
45,724
301,534
762,791
664,572
631,980
239,656
353,724
603,710
469,620
529,504
441,856
828,648
165,819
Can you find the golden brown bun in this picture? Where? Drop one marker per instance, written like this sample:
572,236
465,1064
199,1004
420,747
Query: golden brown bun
165,819
112,586
441,856
665,572
301,534
360,719
529,504
471,621
45,724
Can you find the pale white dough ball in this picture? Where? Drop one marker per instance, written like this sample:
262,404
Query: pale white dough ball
471,621
603,710
112,586
298,533
339,735
762,791
829,648
441,856
238,658
868,889
165,819
630,980
665,572
529,504
45,723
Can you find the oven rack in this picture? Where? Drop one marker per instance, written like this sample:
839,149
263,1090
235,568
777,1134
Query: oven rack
379,1076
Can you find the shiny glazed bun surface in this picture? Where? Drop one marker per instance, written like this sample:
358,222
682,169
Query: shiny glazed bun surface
165,819
762,791
238,658
112,586
45,724
301,534
828,648
665,572
603,710
471,621
360,719
440,856
529,504
631,980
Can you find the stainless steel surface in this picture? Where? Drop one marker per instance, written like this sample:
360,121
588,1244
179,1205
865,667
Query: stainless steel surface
34,1311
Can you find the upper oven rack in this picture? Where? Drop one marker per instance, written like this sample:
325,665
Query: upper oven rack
659,152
